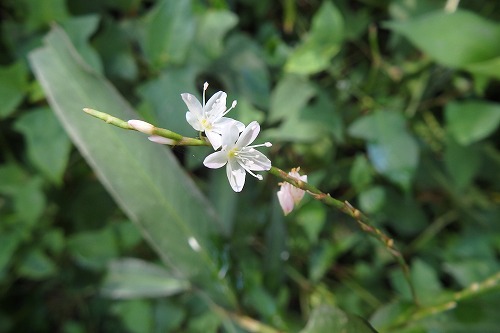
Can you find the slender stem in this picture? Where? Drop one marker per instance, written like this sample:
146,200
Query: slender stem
360,218
343,206
178,139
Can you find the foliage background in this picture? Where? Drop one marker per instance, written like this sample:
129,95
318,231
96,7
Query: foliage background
391,105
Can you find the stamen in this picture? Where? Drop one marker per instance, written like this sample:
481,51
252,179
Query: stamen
232,107
205,87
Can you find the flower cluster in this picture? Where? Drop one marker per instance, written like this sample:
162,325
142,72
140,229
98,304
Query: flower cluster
231,136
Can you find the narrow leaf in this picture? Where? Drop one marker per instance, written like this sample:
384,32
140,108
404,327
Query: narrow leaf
134,278
145,179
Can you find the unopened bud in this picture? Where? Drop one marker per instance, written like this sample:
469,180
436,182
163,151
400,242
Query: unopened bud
161,140
142,126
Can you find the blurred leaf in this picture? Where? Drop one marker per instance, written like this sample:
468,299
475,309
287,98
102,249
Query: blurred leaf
329,319
321,44
162,96
208,322
9,241
471,121
136,315
224,200
12,176
94,249
47,143
212,29
321,260
291,94
36,265
464,37
243,70
134,278
372,199
168,32
115,50
79,30
168,316
13,87
361,173
43,12
29,201
462,163
426,281
312,123
145,179
391,149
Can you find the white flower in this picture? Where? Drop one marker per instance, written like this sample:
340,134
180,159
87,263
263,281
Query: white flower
239,156
209,117
289,195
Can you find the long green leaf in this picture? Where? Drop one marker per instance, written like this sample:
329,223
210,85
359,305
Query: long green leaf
144,179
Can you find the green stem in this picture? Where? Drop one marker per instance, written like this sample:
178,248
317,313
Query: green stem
343,206
178,139
360,218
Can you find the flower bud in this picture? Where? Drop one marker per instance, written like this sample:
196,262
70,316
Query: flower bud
141,126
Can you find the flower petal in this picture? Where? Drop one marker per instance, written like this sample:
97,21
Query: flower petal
259,161
161,140
236,175
229,136
214,138
193,104
285,199
216,160
193,121
216,105
248,135
226,122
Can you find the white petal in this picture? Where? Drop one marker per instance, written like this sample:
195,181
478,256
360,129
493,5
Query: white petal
249,134
193,104
259,161
214,138
161,140
141,126
285,200
229,136
216,160
194,122
236,175
216,105
220,123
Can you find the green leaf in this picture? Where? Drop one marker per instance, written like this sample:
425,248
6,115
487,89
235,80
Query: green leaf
162,97
47,143
391,149
168,32
291,94
145,179
243,70
94,249
462,163
321,44
453,39
9,242
329,319
36,265
134,278
13,87
79,30
44,12
212,29
471,121
136,315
